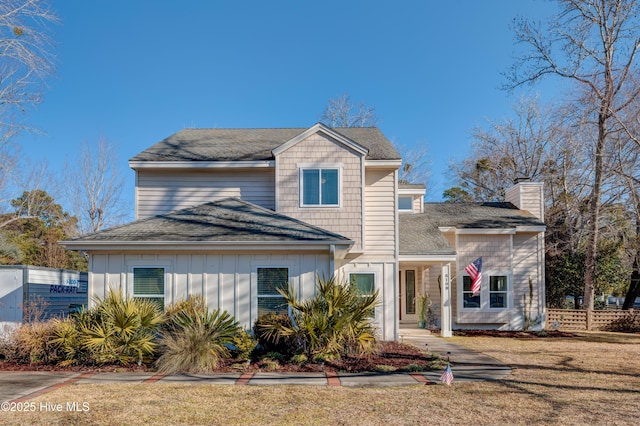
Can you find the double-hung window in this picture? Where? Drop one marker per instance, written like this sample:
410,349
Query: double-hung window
320,186
269,299
498,291
148,283
493,294
365,282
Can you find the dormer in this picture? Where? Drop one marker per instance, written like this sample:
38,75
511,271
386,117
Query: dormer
410,197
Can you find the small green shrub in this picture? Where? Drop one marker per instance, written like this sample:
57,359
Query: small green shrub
269,339
299,359
385,368
196,341
412,368
243,345
334,323
121,329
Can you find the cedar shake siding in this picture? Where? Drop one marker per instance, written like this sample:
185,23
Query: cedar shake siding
321,151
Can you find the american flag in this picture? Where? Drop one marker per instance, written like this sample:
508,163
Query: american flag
447,376
475,273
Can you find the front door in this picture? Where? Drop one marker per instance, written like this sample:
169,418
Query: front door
408,296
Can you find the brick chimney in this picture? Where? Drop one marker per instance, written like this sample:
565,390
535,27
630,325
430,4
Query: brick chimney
527,195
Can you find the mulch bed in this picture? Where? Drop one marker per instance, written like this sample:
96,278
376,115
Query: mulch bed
392,355
515,334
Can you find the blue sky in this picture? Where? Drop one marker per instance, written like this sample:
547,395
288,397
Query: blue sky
136,72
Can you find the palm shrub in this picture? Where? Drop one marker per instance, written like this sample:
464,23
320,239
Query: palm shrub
121,329
336,322
195,339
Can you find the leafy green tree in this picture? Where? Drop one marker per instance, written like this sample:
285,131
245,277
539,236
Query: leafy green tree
31,233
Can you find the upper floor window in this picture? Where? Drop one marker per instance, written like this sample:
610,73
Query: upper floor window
320,186
405,203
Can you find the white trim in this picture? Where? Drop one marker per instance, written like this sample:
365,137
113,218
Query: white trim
410,209
141,264
483,231
408,191
135,165
376,287
531,228
206,246
321,128
428,258
394,164
253,282
320,167
485,291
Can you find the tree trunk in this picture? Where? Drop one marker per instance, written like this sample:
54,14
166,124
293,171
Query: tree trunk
594,209
634,287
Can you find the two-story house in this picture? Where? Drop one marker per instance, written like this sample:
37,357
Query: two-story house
230,214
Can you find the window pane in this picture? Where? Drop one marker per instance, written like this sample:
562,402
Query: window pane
405,203
410,284
271,279
330,186
471,301
365,283
311,187
272,304
148,281
498,283
466,283
498,300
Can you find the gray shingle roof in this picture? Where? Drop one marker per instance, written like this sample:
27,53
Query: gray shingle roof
419,233
252,144
226,220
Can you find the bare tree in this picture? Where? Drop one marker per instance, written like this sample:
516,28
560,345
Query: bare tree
416,164
26,59
592,43
341,112
20,197
515,147
95,187
26,62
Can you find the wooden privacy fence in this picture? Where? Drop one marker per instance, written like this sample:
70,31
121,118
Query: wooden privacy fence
570,319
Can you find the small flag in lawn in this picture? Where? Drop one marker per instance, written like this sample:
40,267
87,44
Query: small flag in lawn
475,273
447,375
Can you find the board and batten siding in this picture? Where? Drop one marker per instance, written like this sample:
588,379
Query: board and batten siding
386,273
159,192
380,212
320,151
227,281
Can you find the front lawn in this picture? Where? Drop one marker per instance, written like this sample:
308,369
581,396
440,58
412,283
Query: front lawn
587,378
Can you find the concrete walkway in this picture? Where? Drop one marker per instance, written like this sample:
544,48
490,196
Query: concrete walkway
466,365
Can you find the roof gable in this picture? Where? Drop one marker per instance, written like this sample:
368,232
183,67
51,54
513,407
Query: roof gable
321,128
